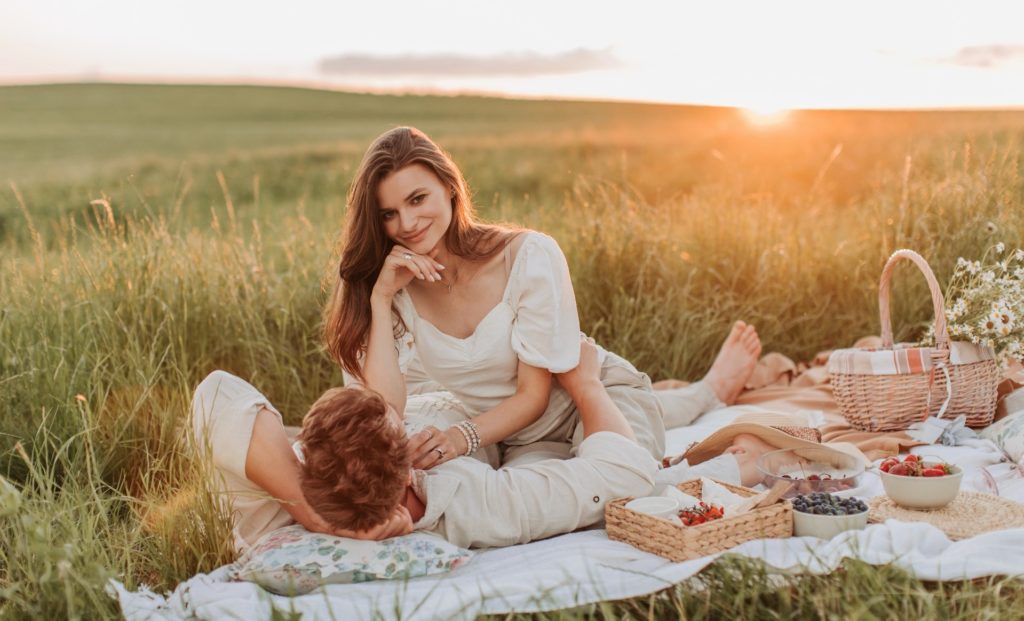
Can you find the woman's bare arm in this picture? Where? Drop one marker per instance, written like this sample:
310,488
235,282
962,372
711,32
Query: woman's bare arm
380,367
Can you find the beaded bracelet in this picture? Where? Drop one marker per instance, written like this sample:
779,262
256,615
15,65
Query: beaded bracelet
468,438
471,434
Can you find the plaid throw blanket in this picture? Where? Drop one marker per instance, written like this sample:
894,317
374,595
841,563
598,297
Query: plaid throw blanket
903,359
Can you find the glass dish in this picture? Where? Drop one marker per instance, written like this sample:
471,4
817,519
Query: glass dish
817,469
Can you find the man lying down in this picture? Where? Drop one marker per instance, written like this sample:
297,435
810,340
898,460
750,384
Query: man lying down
356,478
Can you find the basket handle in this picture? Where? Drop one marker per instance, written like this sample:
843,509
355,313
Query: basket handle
938,302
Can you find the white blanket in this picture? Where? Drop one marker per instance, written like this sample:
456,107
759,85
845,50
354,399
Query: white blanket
585,567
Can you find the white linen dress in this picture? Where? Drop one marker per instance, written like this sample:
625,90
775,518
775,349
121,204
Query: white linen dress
536,321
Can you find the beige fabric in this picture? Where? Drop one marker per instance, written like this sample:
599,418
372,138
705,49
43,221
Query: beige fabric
684,403
224,410
472,505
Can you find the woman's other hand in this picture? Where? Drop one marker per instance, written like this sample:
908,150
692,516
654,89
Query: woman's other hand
431,447
400,267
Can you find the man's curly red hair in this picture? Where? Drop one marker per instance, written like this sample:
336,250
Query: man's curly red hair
357,465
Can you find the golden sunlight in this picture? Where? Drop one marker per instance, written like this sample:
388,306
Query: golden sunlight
765,116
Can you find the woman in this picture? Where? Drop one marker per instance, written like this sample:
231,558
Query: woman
488,312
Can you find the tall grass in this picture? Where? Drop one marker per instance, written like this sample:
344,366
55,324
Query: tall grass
118,293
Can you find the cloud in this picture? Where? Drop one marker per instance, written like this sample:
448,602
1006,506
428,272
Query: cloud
462,65
986,55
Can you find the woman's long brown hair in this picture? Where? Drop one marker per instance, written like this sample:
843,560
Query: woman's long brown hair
347,316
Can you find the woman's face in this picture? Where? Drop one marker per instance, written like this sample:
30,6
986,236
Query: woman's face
416,208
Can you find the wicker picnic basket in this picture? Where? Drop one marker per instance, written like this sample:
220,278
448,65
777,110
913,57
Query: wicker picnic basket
677,543
891,388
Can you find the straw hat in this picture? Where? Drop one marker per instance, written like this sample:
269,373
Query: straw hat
779,430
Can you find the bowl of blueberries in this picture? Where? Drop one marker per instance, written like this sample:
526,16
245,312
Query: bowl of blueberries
824,515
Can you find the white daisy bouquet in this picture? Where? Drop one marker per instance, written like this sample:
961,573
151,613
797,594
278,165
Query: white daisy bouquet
985,302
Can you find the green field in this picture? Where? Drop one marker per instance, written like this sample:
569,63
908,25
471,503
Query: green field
150,234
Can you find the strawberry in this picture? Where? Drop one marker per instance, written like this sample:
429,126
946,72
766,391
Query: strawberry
888,463
910,458
901,469
933,472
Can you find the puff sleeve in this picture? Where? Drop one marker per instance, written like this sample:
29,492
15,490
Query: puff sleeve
546,328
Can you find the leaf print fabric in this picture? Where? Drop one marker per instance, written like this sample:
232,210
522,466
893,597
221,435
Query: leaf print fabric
293,561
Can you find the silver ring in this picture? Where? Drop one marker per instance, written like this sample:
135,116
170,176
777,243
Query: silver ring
407,256
439,452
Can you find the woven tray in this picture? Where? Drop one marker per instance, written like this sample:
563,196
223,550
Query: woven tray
677,543
970,514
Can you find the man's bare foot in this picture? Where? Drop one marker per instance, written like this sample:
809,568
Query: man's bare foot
747,448
735,362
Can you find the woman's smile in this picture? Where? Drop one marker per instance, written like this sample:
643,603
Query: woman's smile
415,236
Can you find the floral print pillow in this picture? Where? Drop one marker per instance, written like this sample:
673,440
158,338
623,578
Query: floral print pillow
293,561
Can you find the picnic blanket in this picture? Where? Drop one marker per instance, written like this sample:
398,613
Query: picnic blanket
586,567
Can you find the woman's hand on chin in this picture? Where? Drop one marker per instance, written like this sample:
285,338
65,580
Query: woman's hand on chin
400,267
431,447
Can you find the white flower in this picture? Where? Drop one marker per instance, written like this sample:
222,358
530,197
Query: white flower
1018,254
1019,273
1007,317
1004,265
962,262
1000,247
957,311
988,276
973,267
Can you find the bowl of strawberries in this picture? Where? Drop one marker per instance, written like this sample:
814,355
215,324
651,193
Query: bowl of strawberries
914,483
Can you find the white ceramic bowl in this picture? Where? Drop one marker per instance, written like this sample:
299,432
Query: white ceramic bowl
658,506
826,526
923,493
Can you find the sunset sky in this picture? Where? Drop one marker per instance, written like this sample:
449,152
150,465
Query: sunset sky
763,54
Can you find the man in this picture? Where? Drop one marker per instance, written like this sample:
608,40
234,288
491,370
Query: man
357,481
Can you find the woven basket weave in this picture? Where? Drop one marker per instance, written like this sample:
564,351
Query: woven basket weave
893,402
677,543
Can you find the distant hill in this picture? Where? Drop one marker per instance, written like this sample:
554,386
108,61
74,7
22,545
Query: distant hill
57,131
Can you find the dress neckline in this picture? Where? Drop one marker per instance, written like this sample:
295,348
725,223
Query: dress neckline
502,302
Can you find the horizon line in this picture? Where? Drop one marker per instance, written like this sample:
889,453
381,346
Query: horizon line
327,86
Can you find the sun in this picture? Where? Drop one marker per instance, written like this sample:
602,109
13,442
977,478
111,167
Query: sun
765,116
